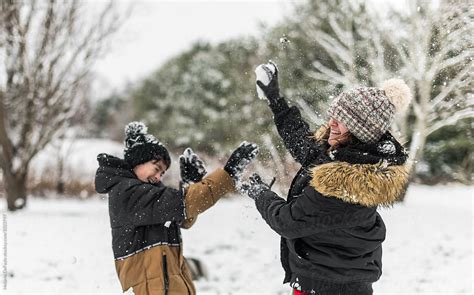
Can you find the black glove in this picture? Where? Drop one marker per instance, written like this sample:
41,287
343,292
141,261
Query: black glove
191,166
272,90
255,186
240,158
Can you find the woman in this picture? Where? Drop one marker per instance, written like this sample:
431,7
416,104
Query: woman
331,232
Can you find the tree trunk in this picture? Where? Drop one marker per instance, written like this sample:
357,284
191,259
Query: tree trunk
417,145
60,184
15,188
420,132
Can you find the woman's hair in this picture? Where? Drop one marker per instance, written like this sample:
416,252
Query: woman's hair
343,140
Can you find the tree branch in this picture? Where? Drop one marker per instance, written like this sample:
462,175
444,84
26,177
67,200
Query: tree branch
451,120
454,83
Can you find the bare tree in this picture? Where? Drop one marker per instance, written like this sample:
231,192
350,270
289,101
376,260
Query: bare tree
47,49
430,46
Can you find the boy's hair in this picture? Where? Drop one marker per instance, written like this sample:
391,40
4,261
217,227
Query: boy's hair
141,147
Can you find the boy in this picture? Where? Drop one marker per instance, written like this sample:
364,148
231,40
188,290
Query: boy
146,215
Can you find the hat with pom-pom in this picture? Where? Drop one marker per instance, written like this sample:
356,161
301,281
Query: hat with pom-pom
141,147
368,112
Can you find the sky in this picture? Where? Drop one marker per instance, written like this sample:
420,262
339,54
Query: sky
158,30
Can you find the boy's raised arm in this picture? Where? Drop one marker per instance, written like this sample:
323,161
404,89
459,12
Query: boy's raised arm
202,195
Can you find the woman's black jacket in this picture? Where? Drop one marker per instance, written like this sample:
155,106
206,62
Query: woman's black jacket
331,232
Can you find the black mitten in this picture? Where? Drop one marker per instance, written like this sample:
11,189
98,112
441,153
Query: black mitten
272,90
191,167
255,187
240,158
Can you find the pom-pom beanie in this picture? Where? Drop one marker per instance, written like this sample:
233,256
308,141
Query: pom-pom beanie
141,147
368,112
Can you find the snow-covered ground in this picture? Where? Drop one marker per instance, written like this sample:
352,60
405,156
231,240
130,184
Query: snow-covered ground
64,246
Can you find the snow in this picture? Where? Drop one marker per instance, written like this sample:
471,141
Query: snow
19,203
386,147
284,40
58,246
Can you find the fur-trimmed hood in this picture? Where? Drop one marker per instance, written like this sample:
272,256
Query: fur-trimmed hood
365,174
369,185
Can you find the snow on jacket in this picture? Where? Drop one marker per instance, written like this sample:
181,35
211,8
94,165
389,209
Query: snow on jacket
331,232
146,219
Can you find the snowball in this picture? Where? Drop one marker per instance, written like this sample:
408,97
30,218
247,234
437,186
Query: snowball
284,40
264,73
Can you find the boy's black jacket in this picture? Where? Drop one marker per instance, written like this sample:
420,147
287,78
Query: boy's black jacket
142,215
331,232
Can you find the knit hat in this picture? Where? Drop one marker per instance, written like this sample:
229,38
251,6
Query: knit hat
141,147
368,112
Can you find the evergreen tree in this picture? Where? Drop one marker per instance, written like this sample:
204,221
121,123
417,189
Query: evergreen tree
204,97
